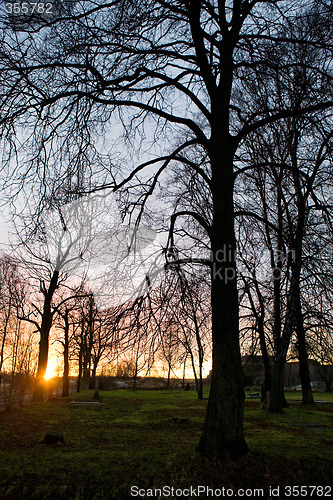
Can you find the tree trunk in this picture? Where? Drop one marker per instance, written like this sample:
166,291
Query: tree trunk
79,375
223,435
85,364
200,388
88,344
65,379
168,379
277,398
45,328
136,366
96,392
135,378
184,370
195,374
266,385
267,365
92,377
326,374
2,354
304,371
85,377
4,337
201,355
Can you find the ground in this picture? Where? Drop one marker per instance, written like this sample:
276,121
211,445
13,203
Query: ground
132,438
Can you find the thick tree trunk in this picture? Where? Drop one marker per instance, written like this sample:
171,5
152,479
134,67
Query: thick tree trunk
85,377
88,343
86,353
135,377
222,435
277,398
2,354
201,355
326,374
136,366
96,392
92,378
168,378
65,378
4,337
183,379
304,371
267,365
79,375
45,328
200,388
195,375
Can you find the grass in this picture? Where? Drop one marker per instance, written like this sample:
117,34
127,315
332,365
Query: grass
131,439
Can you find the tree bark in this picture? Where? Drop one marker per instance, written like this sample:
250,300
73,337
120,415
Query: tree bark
65,379
267,365
195,375
304,371
200,355
169,374
92,377
223,435
45,328
200,390
79,375
135,376
4,335
96,387
277,398
183,379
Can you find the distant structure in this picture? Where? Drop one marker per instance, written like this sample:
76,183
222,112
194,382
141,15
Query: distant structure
321,375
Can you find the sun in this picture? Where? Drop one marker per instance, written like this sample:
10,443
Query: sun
52,369
49,372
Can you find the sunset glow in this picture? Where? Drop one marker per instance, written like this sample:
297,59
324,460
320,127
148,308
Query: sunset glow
50,371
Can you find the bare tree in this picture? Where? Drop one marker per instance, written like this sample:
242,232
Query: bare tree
67,311
17,351
9,284
192,312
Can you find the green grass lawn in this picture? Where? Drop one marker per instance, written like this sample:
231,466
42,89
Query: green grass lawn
131,439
